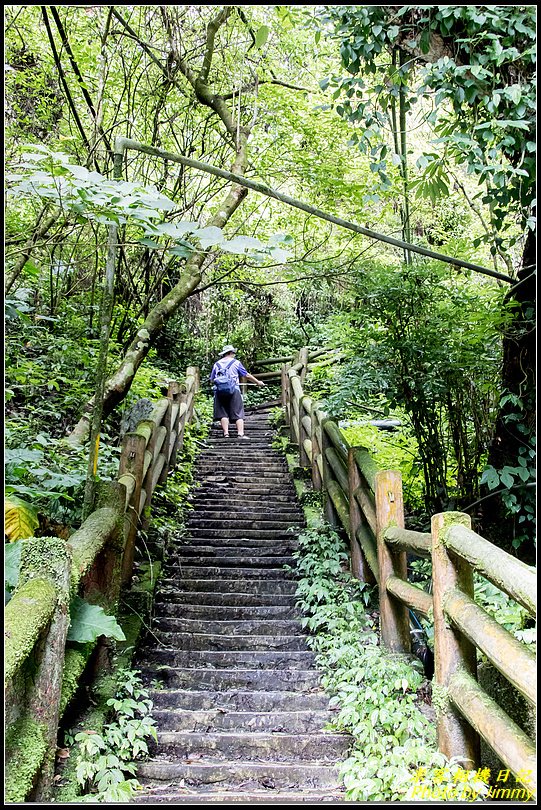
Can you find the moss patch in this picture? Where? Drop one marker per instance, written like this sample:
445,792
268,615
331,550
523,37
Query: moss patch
74,664
26,748
27,613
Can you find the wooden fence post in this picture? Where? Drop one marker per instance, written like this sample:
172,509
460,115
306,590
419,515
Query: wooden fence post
132,459
452,650
315,436
292,417
304,459
174,394
303,358
394,618
285,393
166,449
331,514
359,566
192,387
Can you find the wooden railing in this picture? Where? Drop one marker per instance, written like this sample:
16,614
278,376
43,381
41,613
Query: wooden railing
367,503
42,673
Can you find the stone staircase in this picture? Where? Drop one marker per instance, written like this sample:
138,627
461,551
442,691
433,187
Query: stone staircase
239,708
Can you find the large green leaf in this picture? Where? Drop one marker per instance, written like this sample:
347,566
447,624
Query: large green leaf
90,621
261,36
20,519
12,563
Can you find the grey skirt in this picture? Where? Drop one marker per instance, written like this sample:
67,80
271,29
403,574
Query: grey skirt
228,405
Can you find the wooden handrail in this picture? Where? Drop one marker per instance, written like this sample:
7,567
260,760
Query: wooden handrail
515,661
514,577
350,478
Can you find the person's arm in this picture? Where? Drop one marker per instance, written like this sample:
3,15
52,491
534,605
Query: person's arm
255,380
243,373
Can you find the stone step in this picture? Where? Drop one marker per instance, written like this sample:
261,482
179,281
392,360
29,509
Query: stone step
238,701
229,643
225,613
223,680
261,534
231,627
182,572
269,795
210,495
259,446
211,459
246,477
255,492
228,554
267,586
233,542
226,520
226,470
272,774
218,720
215,511
175,596
232,658
314,748
176,563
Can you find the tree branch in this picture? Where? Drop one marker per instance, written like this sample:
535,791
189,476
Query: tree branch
247,87
212,29
64,82
79,77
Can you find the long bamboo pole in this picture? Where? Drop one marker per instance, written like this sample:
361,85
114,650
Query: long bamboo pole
121,144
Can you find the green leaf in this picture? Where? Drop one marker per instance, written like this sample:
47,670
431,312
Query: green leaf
20,519
209,236
506,478
240,244
261,36
12,563
490,477
149,243
90,621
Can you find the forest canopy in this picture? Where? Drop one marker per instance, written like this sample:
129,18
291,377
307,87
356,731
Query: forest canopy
416,122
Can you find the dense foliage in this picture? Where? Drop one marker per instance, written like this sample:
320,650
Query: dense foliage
433,141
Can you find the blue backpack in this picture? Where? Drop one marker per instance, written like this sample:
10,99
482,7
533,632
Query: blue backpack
224,381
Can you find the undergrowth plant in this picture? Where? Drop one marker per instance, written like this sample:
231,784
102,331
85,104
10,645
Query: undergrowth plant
374,692
107,761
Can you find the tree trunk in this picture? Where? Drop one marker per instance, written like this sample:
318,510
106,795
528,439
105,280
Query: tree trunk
518,378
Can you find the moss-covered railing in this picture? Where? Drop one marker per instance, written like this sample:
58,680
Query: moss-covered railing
368,504
42,673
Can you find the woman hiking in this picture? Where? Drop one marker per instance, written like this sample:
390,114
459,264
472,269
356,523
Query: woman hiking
228,404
